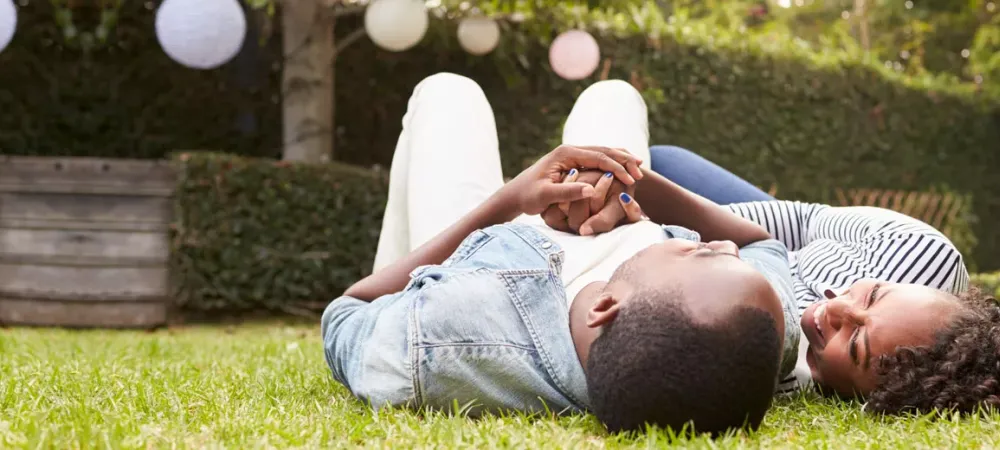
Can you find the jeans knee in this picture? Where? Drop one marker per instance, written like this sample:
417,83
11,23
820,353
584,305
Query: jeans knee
669,150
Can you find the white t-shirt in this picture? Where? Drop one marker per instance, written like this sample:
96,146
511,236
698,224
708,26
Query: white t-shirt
595,258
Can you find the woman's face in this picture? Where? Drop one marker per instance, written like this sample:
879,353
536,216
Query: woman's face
850,330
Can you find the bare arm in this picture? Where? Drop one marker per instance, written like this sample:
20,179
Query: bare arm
530,193
394,277
665,202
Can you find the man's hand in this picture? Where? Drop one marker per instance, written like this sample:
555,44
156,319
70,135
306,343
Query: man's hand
530,193
545,183
600,213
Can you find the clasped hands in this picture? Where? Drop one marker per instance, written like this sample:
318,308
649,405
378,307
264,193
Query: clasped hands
612,204
584,190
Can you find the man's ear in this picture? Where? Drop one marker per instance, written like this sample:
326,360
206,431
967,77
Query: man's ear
603,311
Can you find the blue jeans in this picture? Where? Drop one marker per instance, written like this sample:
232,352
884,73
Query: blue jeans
702,176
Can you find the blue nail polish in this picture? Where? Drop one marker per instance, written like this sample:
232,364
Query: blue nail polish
626,198
572,172
607,174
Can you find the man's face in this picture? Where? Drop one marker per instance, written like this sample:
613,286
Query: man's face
711,277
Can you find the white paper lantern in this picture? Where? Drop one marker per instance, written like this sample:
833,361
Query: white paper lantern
201,34
8,22
478,35
396,25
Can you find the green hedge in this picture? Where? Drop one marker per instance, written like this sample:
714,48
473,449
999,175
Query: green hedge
257,234
128,99
773,113
990,282
254,234
773,116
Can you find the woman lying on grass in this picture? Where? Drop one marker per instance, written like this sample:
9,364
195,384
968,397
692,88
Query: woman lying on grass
476,303
884,299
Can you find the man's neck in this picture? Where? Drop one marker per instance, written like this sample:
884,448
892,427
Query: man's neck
583,336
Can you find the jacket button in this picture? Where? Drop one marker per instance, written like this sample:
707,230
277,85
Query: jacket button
546,245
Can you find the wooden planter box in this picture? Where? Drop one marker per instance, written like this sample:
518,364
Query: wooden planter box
84,242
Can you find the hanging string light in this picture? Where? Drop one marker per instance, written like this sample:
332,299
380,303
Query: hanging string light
574,55
201,34
8,22
478,35
396,25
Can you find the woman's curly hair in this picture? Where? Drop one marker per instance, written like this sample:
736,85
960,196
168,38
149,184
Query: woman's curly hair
960,372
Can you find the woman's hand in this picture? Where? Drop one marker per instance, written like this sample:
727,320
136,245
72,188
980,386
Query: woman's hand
530,193
544,183
612,204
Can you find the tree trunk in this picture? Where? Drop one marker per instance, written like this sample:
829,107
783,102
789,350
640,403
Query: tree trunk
307,81
861,13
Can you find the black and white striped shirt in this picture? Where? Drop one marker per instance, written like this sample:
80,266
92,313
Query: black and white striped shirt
833,247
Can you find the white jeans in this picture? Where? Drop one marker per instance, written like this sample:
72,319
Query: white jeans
447,159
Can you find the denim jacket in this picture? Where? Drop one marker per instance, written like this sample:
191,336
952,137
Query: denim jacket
488,330
770,258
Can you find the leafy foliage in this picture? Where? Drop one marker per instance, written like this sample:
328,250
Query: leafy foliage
86,25
127,98
937,36
985,53
253,234
990,282
776,113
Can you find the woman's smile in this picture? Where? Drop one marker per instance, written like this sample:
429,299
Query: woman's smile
812,325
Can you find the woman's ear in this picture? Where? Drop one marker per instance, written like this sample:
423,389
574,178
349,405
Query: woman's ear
603,311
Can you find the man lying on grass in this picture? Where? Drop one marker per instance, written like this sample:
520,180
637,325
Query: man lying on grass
475,301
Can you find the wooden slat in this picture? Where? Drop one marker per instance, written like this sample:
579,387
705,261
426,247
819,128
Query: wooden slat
83,281
937,210
84,241
101,244
40,312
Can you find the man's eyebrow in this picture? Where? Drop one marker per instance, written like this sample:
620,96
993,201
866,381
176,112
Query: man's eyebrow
713,254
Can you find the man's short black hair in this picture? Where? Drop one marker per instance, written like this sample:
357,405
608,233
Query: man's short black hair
654,365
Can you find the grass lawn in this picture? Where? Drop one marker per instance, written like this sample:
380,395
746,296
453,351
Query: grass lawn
266,386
